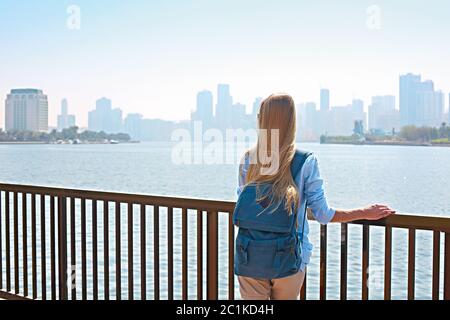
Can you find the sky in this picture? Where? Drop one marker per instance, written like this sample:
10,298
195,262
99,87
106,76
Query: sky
152,57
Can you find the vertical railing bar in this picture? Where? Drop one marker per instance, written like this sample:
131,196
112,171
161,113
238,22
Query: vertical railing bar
184,255
16,242
436,263
365,262
106,248
52,247
94,251
143,212
33,247
83,250
43,251
156,252
323,262
199,254
304,286
24,244
130,253
7,241
118,253
169,254
62,246
230,256
73,262
344,246
411,262
212,255
447,266
387,262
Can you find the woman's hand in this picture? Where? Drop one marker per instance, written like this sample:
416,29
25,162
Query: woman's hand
376,212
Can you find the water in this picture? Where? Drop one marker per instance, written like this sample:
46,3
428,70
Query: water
413,180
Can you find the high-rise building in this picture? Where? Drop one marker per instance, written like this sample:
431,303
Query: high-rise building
204,110
342,121
324,99
224,106
431,111
26,110
420,104
256,106
65,120
133,125
409,86
238,116
358,112
104,118
383,114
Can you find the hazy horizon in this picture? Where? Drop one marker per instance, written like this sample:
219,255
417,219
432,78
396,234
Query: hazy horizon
153,58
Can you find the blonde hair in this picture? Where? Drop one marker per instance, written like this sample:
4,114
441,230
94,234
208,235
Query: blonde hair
276,115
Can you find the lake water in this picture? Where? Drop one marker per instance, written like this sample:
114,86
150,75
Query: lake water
413,180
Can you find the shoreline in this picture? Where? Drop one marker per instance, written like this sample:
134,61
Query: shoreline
388,143
49,143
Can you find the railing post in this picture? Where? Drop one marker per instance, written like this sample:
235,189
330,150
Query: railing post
62,246
323,262
365,262
212,256
447,267
344,247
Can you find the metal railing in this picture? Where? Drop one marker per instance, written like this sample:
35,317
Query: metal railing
44,230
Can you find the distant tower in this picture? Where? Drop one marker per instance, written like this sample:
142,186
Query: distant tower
204,110
104,118
324,100
65,120
256,106
224,106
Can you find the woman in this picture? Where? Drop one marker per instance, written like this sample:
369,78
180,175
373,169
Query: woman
276,184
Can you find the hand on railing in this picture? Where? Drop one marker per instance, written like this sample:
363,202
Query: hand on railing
377,212
373,212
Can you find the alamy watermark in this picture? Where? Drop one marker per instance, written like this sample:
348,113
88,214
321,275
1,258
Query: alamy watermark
73,21
214,146
373,18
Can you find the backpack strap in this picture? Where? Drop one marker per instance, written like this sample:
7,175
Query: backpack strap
297,164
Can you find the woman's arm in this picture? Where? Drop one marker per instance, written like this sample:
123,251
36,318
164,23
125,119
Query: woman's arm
374,212
314,192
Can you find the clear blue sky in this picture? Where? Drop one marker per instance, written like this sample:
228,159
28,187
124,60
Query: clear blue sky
152,57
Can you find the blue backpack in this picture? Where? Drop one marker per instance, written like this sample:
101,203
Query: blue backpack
267,244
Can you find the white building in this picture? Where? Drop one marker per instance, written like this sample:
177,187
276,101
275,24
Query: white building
26,110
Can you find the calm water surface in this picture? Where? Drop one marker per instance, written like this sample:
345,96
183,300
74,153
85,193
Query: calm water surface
413,180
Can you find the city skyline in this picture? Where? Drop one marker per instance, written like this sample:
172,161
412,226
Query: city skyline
159,49
418,103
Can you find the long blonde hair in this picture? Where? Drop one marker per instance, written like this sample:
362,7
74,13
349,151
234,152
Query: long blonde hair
276,115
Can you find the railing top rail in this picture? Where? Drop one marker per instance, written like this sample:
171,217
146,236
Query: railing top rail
157,200
407,221
397,221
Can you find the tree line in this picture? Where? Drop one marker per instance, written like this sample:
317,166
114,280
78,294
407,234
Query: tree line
65,134
425,134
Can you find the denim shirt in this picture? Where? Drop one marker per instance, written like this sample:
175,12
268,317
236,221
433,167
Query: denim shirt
311,189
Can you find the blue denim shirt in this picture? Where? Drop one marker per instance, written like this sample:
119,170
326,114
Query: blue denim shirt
310,185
